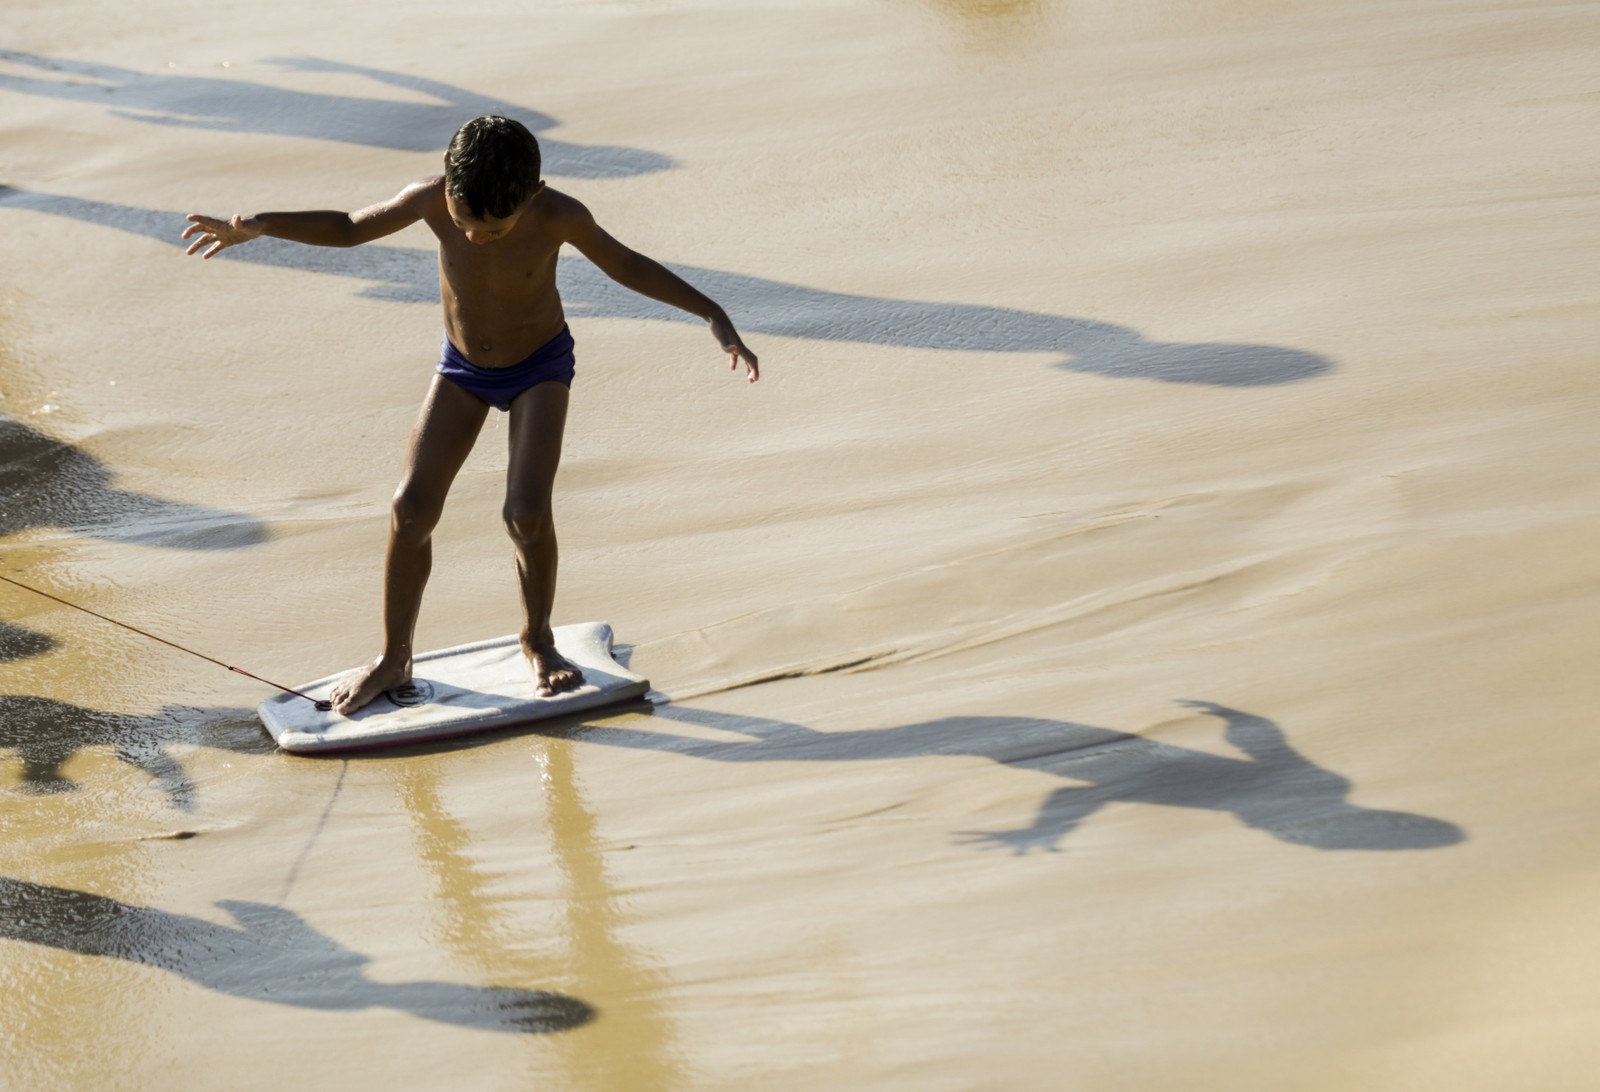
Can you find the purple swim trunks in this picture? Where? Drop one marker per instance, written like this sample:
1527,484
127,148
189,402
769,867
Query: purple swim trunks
552,361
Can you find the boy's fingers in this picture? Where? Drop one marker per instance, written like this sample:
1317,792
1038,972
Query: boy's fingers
735,352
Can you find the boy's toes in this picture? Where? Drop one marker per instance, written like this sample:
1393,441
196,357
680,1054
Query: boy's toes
558,679
357,689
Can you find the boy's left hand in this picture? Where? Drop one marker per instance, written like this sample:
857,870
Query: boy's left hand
728,338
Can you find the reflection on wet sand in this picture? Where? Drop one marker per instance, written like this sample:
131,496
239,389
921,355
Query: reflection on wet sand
46,482
630,1044
1273,789
460,893
637,1049
270,955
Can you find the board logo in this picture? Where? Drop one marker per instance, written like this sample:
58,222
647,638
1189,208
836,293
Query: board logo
415,692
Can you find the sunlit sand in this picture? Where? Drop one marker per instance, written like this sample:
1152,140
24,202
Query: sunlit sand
1139,634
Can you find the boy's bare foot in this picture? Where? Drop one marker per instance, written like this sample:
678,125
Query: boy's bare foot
365,683
552,672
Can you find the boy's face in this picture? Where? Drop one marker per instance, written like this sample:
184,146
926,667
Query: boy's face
480,230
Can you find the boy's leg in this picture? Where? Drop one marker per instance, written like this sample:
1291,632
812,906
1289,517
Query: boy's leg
447,426
538,416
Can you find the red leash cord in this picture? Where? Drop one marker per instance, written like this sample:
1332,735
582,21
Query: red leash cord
171,644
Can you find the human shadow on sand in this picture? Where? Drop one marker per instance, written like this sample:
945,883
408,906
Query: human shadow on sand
44,734
241,106
410,275
46,482
271,954
1272,788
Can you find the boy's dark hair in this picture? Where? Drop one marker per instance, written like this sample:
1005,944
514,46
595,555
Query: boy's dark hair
492,166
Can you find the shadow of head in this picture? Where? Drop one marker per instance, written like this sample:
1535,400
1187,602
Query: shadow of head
267,954
493,1008
19,643
1355,828
1217,364
45,733
45,482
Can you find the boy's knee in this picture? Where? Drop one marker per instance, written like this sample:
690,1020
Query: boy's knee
527,521
411,515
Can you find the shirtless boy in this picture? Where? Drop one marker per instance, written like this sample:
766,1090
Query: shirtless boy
506,345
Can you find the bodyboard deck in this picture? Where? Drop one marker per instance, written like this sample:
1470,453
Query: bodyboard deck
455,691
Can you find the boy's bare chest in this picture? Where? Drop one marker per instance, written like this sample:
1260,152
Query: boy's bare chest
500,269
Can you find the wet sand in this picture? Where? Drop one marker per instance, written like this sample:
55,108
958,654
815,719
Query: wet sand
1138,634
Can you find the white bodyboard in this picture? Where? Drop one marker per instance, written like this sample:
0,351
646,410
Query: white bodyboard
455,691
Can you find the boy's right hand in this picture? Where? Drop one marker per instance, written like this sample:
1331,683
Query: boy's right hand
208,231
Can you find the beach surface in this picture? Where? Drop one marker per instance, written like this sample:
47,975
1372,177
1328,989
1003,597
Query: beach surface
1138,634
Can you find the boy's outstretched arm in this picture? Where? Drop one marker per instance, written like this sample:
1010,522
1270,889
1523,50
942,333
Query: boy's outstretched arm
649,277
321,228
